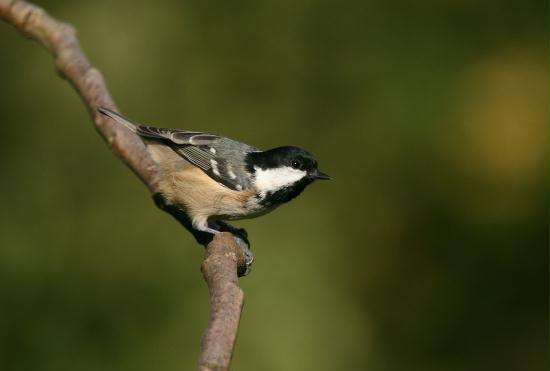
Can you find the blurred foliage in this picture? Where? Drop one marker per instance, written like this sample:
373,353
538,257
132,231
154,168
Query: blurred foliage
428,250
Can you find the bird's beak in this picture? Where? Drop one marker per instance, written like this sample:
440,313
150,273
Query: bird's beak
320,175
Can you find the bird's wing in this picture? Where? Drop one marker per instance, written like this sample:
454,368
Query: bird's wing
217,168
194,146
176,136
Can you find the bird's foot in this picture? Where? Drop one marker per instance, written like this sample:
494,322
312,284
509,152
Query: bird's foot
204,237
249,256
241,237
222,226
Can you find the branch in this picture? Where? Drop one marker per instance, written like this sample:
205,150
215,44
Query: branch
223,255
219,269
71,63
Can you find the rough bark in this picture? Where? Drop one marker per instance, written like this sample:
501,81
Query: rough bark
223,255
219,269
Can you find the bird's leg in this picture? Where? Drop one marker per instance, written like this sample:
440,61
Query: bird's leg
211,230
204,237
222,226
241,236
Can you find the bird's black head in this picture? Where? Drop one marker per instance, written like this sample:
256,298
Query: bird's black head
282,173
286,157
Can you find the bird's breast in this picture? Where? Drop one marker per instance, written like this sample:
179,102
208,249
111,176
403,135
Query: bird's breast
201,196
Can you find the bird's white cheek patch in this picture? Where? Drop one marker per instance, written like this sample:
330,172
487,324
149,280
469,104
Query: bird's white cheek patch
271,180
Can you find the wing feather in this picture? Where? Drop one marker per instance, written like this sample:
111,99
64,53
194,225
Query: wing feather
214,166
176,136
196,147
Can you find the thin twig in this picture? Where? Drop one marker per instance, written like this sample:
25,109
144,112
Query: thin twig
223,255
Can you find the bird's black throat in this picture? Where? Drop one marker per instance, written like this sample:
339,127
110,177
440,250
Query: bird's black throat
285,194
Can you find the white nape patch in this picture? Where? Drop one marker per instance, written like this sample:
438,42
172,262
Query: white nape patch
213,150
271,180
214,164
239,187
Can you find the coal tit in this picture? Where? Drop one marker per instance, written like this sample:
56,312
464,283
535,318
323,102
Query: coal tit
211,178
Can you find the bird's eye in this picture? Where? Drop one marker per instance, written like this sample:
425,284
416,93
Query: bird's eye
295,164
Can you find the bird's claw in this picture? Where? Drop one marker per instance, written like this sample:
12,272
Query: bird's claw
249,257
241,237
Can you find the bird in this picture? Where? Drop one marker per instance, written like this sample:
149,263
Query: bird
211,178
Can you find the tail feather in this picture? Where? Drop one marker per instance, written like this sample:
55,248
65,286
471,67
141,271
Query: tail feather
119,118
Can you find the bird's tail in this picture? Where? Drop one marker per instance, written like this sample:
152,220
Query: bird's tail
119,118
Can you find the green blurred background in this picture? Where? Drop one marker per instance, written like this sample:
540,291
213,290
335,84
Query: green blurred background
428,250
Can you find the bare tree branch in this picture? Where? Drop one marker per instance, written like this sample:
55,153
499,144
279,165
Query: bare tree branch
60,40
220,272
223,255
